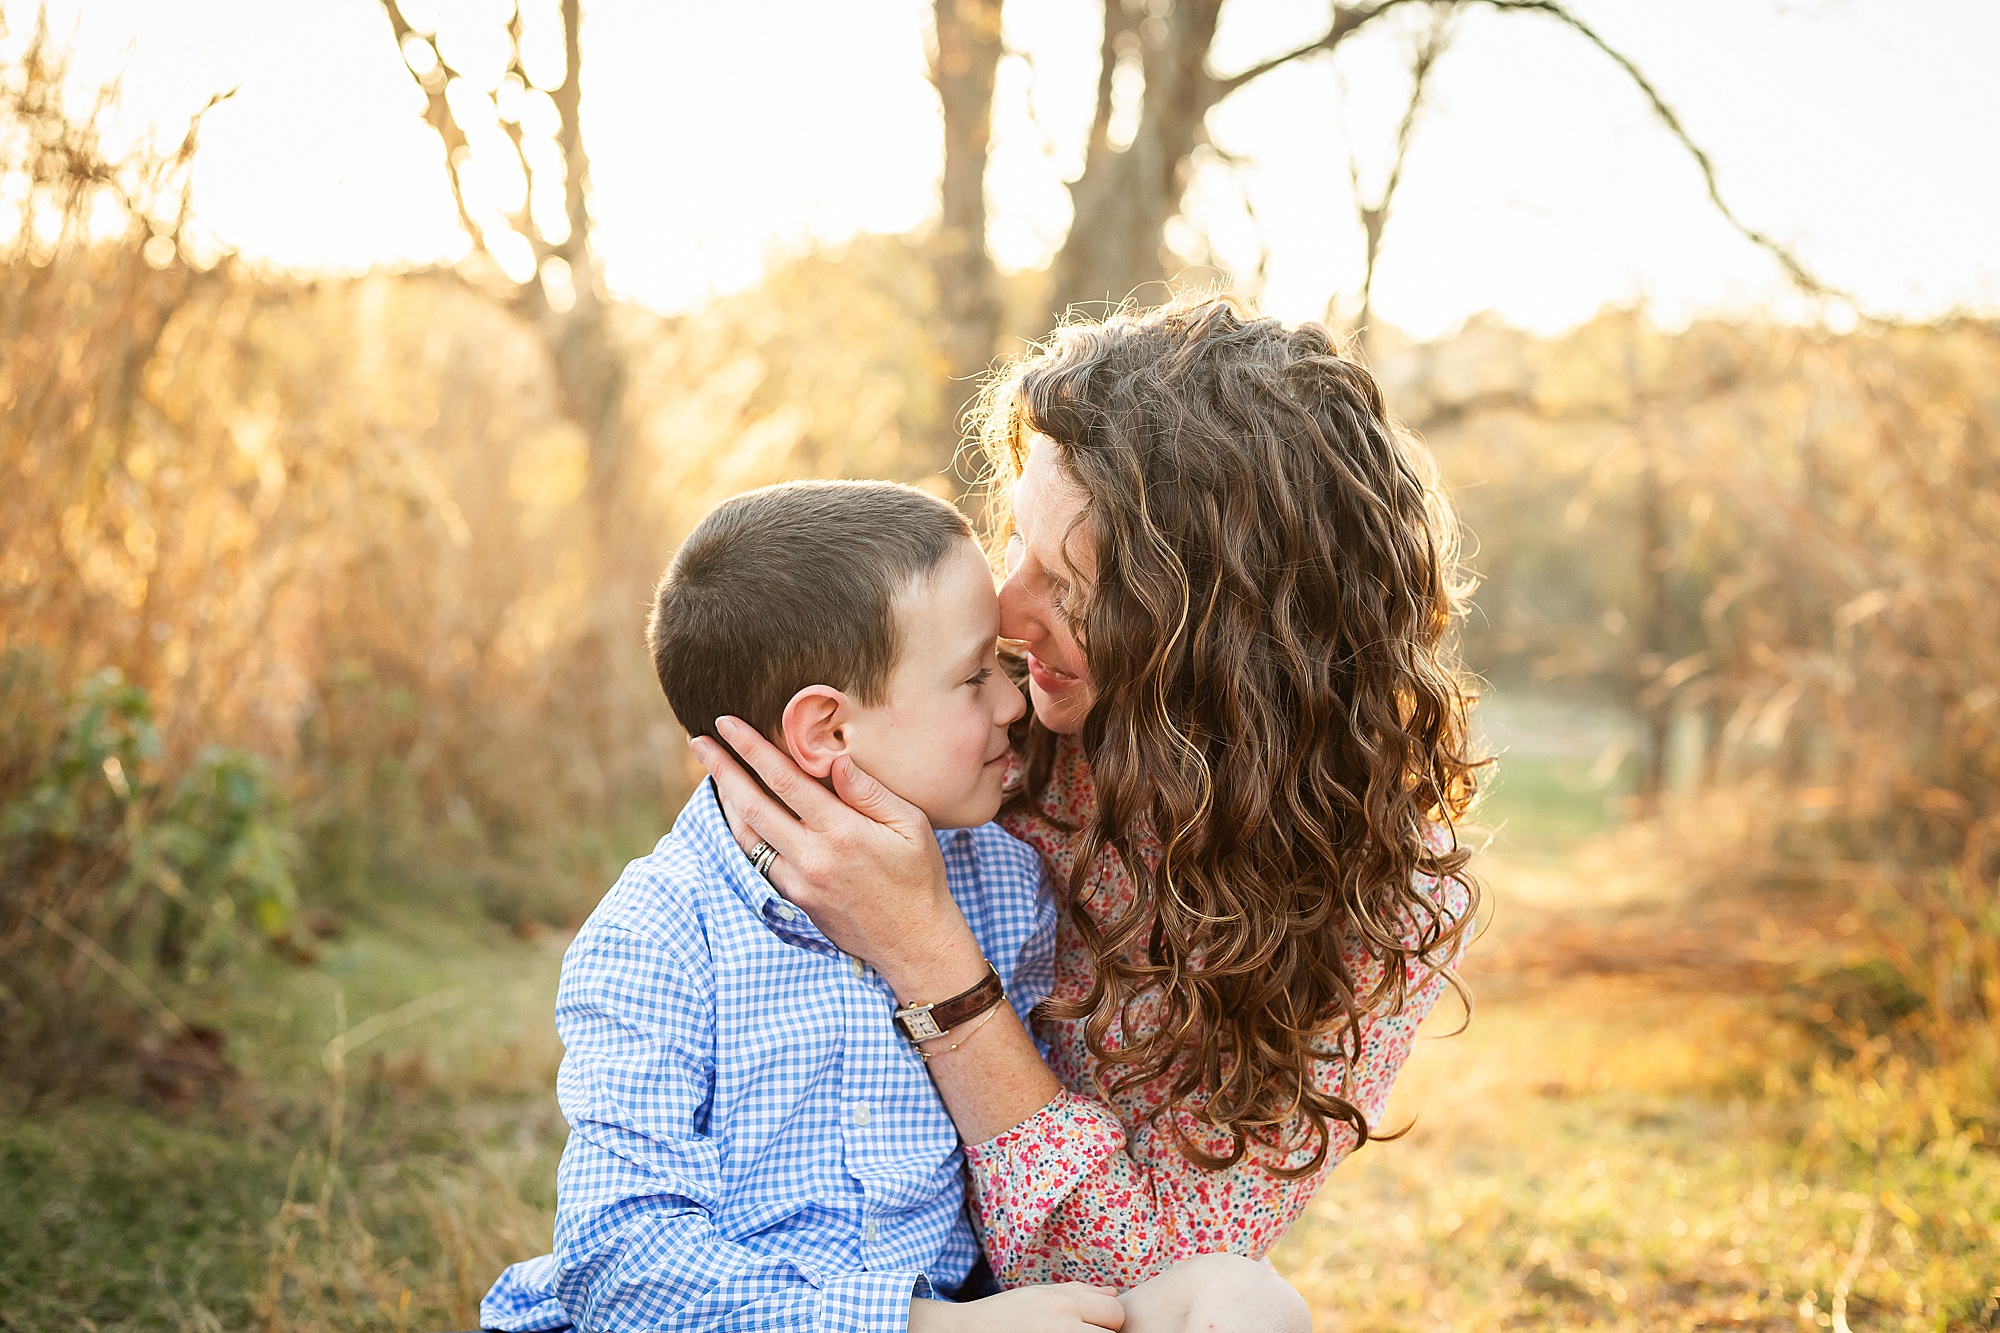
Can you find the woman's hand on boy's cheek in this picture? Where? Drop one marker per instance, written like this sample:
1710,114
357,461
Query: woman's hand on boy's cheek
869,874
729,779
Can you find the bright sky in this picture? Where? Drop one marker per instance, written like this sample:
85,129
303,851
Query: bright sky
1864,132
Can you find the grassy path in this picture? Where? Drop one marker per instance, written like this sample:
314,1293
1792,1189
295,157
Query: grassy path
1620,1153
237,1213
1636,1132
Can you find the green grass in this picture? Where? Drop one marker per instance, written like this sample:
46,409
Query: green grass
234,1215
1561,774
115,1217
1543,805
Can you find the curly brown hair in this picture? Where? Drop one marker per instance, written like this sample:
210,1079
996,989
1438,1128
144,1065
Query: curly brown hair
1270,636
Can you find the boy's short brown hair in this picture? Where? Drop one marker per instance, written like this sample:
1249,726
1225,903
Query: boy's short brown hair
790,586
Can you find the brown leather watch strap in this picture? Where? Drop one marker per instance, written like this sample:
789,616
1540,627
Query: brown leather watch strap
921,1022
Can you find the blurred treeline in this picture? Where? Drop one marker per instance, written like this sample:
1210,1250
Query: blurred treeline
329,541
317,600
1778,550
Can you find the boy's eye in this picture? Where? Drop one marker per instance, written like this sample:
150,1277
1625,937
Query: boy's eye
980,677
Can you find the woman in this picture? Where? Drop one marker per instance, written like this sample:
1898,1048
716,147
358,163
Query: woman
1232,583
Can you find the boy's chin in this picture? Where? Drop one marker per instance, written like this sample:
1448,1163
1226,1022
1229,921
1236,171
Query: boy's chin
970,813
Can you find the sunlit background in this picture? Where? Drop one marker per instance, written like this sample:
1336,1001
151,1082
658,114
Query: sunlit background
327,529
1864,133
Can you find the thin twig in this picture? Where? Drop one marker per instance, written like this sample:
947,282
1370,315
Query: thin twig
1805,278
336,1058
123,975
1346,20
1855,1259
368,1029
1375,220
437,111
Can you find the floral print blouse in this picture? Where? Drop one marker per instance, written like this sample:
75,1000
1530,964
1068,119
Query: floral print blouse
1090,1191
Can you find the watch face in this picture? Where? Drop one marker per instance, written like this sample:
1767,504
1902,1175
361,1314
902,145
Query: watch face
917,1022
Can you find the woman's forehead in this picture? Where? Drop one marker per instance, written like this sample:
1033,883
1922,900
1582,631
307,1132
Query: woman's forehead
1043,489
1049,507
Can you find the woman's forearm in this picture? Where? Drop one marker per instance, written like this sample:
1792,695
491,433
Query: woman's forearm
995,1080
991,1077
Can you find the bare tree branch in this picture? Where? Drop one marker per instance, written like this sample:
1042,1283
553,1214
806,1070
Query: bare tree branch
1429,48
568,96
1792,265
1375,218
1347,19
522,219
1125,196
438,115
591,369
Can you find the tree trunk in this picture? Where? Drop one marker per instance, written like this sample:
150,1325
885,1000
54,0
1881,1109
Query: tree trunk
1655,703
591,371
962,67
1126,194
590,368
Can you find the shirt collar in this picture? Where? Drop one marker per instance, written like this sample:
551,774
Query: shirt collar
703,825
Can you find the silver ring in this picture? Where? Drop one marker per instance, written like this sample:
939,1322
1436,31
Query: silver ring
761,857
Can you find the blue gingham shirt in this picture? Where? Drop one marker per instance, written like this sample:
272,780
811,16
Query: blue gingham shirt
752,1143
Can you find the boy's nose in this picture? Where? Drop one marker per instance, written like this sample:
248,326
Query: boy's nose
1013,703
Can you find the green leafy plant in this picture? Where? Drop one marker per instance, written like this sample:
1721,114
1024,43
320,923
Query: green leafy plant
118,885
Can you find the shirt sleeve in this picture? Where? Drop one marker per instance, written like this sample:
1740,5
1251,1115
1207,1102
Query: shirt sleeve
1075,1194
635,1247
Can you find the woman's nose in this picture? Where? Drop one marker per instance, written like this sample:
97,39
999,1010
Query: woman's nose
1016,621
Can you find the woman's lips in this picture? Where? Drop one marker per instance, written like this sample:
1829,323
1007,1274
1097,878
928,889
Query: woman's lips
1051,680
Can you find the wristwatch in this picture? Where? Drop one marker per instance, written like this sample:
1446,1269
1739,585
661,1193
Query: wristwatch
921,1022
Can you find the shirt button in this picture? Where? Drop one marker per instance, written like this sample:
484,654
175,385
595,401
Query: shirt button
857,965
788,912
862,1115
868,1232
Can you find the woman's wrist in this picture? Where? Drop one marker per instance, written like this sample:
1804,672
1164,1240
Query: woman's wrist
935,966
932,1316
953,1039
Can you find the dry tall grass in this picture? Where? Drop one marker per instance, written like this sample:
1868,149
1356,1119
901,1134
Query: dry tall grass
339,524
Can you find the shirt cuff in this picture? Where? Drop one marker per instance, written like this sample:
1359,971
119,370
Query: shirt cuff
1022,1175
871,1302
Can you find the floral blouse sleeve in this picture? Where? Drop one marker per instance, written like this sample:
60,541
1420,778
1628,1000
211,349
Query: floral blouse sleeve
1095,1191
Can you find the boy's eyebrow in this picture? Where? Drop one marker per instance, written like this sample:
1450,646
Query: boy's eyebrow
970,661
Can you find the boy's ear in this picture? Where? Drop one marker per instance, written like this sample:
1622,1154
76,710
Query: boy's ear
813,723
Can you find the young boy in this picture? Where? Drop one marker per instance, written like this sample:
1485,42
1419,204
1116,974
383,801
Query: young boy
754,1143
